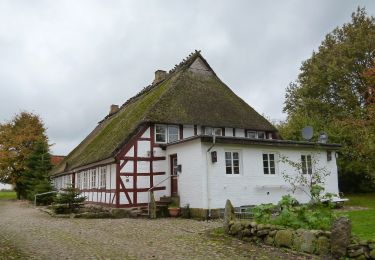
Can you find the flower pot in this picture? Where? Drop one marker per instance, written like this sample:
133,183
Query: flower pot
174,212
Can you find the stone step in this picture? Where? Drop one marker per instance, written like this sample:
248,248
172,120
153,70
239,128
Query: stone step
165,199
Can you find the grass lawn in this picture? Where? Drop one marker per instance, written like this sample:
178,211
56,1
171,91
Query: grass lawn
7,195
363,221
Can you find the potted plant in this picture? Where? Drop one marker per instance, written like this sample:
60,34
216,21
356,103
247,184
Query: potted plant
174,210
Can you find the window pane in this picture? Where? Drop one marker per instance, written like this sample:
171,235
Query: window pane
252,134
160,138
228,155
309,166
236,170
261,135
265,157
265,164
235,156
228,163
229,170
161,129
272,164
303,161
208,130
160,133
265,170
173,130
272,157
172,138
218,131
272,170
236,163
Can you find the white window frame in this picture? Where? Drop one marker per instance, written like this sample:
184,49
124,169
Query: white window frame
167,133
256,134
252,132
275,159
306,167
77,180
208,130
93,179
85,180
232,162
103,177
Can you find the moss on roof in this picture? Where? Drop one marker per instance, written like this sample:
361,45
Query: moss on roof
104,140
184,97
206,100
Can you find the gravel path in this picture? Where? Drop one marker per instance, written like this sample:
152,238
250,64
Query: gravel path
40,236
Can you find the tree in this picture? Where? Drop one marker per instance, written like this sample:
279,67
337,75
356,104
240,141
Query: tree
18,139
334,93
36,176
68,201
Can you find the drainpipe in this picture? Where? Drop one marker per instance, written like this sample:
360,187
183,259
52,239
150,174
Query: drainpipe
207,174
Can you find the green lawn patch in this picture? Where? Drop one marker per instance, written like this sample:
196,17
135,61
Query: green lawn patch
363,221
363,200
7,195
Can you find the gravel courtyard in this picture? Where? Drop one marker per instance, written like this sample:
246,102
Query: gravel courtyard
39,236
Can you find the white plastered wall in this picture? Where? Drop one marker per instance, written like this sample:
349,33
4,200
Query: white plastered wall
251,186
190,180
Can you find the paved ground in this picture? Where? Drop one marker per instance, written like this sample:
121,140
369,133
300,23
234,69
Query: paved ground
38,236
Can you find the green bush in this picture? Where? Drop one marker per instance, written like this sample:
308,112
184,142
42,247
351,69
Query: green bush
289,213
67,201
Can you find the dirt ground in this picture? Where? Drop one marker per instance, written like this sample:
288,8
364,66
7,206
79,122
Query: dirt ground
31,234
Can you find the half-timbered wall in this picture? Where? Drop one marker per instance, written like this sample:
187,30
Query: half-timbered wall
142,165
98,184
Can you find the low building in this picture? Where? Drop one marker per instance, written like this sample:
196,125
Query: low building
188,135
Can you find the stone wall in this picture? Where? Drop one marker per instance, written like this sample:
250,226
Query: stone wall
315,242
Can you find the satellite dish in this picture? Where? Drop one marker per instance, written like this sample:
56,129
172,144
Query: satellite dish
307,133
323,138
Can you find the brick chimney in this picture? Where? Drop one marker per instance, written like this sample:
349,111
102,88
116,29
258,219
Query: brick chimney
160,75
113,109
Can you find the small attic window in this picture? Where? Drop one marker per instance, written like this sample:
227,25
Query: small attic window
213,131
161,133
166,133
256,134
252,134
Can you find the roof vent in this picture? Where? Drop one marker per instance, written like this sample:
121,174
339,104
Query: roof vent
160,75
113,109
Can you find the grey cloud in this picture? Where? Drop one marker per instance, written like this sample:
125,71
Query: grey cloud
69,60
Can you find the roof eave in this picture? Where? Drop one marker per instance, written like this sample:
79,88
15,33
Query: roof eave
263,142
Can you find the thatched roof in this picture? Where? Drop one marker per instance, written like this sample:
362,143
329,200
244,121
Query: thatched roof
191,94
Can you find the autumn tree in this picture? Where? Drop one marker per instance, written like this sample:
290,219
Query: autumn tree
334,93
18,139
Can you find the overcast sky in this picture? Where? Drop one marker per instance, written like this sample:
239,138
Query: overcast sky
68,61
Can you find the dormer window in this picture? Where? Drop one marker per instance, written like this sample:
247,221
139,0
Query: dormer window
261,135
213,131
173,133
166,133
252,134
256,134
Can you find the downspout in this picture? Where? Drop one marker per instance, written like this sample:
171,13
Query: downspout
207,173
